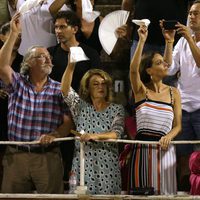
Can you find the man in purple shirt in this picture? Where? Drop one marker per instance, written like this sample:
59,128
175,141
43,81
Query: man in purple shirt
36,111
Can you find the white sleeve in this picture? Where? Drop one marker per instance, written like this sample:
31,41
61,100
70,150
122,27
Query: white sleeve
175,66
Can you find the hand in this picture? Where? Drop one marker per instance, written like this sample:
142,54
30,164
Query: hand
168,34
3,94
88,137
165,141
184,31
46,139
15,23
143,33
121,32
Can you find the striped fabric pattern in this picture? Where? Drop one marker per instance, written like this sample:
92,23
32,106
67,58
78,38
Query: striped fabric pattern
154,117
150,166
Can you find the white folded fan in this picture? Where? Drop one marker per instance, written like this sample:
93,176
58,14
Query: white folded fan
87,11
77,54
141,22
108,26
29,4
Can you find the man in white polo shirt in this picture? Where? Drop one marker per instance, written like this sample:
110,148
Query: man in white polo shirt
186,59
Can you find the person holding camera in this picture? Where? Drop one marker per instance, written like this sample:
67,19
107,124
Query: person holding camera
186,59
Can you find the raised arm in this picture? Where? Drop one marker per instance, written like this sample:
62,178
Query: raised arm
6,51
136,82
169,41
185,32
67,77
56,6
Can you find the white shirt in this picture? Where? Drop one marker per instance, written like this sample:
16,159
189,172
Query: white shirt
189,81
37,27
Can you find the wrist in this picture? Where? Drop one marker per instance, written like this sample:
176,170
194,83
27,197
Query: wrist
55,134
169,41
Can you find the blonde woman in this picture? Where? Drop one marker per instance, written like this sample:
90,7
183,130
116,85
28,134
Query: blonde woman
94,113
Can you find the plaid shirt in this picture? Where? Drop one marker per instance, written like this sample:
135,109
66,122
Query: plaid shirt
31,113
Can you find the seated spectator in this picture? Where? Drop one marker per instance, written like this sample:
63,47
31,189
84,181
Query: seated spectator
100,119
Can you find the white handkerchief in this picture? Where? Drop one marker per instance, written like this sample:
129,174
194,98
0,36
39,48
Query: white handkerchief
29,4
77,54
87,11
141,22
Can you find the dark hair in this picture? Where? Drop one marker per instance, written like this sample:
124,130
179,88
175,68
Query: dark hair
5,28
70,17
146,63
73,5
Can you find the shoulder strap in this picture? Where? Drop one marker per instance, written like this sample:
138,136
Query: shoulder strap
171,95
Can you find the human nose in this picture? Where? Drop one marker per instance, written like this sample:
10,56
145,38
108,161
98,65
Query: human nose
165,64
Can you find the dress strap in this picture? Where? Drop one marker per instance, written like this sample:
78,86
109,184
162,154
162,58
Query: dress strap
171,95
146,94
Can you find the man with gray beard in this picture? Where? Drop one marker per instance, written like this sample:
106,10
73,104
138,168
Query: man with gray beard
36,113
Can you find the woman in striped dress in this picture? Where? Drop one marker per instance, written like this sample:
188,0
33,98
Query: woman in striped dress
158,114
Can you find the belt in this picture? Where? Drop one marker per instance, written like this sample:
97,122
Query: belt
31,149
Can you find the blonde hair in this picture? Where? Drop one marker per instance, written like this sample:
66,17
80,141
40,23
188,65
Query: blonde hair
84,85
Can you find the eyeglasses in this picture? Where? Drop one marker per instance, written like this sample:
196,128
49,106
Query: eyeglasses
43,56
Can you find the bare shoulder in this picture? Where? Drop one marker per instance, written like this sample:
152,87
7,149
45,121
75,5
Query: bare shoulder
176,95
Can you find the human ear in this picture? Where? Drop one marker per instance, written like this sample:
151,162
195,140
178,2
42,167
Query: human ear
149,71
75,29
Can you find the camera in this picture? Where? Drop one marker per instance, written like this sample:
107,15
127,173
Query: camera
169,24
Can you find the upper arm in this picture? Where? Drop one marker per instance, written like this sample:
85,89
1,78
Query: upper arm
118,122
136,83
177,108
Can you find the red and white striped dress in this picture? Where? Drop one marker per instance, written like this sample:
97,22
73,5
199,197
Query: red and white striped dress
150,166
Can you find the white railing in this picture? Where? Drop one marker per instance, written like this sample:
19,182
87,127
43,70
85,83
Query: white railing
82,189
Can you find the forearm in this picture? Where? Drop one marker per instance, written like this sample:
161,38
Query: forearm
6,50
174,132
106,135
64,129
195,51
67,79
168,51
56,6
